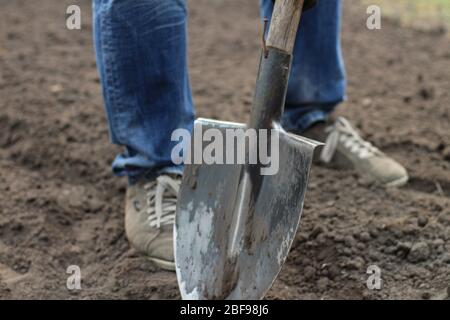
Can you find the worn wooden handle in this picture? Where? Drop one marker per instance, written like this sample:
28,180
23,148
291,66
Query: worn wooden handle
283,28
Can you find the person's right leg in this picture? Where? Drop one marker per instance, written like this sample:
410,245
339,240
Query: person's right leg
141,56
317,85
142,59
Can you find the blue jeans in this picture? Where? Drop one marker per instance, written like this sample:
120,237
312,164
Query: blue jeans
141,50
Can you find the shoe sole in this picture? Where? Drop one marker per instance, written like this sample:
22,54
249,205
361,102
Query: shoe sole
163,264
397,183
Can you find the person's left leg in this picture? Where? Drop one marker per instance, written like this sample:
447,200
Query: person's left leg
318,81
316,87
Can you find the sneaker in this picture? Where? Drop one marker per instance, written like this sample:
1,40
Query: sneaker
344,148
149,218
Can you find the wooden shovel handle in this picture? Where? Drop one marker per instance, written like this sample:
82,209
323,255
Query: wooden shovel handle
283,28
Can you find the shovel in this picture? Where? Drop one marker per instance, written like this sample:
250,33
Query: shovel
234,225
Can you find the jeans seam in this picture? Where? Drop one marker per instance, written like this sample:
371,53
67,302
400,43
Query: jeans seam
110,71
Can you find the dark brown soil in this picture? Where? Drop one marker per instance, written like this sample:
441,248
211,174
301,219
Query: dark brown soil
61,206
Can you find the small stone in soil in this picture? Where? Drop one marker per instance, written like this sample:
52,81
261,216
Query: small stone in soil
404,246
374,233
349,241
316,231
438,242
356,263
365,237
323,284
446,258
426,296
419,252
309,272
444,218
347,252
360,246
422,221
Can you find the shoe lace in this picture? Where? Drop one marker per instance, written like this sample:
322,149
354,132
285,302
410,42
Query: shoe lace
343,132
162,201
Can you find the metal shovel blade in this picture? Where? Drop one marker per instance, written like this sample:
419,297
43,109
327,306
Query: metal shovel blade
234,227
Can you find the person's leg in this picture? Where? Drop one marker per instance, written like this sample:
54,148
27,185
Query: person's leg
141,56
317,83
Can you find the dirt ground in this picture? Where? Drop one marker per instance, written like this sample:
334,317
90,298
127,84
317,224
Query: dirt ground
60,205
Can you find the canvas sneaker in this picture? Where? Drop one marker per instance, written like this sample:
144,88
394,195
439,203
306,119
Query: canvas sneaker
344,148
149,218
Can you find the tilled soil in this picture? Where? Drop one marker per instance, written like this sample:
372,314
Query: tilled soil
60,205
